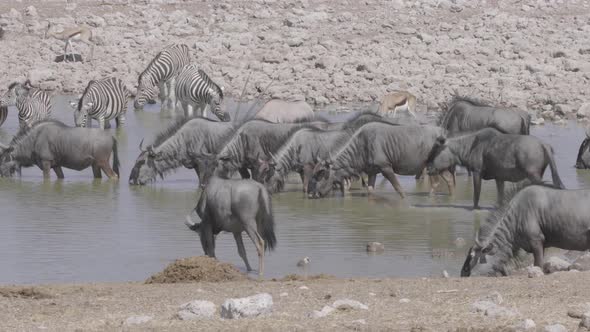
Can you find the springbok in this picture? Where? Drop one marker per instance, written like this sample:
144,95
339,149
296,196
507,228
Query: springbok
398,100
80,33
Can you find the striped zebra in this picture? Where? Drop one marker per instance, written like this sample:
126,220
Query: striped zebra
195,90
103,101
161,73
32,104
3,114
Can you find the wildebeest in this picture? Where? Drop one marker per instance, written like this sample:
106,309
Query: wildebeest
300,153
583,159
464,114
282,111
235,206
535,218
378,147
491,155
398,100
251,141
192,143
3,114
50,144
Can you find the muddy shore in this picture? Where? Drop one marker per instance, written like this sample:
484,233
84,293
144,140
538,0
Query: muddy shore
530,55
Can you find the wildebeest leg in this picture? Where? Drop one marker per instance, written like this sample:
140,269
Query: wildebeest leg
96,171
244,173
241,249
371,182
434,183
476,189
106,168
250,229
59,172
500,188
538,252
46,168
449,178
390,175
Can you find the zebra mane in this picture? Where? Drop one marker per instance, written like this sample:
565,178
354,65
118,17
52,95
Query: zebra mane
209,81
84,94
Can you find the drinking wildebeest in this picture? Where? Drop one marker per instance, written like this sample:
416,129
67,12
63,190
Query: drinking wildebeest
466,115
50,144
491,155
251,141
375,148
191,143
282,111
300,153
583,159
535,218
402,100
235,206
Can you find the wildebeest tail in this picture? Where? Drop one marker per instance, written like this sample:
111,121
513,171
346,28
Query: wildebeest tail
554,175
115,157
525,124
265,220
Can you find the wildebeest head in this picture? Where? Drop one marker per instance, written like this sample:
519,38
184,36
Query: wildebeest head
270,174
440,157
206,165
583,160
145,169
322,180
8,165
477,255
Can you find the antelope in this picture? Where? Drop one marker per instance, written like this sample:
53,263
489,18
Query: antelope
79,33
398,100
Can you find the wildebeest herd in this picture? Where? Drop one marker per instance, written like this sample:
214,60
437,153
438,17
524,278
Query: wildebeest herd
284,137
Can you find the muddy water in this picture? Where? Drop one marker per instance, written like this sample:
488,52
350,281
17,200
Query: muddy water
82,230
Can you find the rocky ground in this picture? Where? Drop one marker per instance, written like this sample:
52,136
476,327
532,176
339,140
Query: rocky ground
533,55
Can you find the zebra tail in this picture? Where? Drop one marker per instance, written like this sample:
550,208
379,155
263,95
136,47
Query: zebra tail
115,158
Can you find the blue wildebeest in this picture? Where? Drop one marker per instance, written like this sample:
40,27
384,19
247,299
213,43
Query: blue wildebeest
192,143
299,154
251,141
282,111
235,206
379,147
535,218
491,155
51,144
464,114
583,159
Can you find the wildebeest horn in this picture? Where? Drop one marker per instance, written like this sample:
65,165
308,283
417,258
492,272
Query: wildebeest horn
141,146
189,222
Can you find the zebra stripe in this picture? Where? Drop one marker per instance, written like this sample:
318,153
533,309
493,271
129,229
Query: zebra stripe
32,104
103,101
161,72
194,89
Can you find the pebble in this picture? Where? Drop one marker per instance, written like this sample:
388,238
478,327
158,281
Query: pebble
196,310
555,328
251,306
349,304
137,320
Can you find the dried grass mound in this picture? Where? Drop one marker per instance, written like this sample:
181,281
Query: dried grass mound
197,269
32,293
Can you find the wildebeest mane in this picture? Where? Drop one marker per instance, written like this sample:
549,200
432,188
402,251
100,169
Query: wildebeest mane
13,85
173,129
272,144
446,107
311,118
24,131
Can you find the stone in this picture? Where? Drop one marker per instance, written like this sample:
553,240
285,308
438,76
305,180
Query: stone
582,263
554,264
500,312
404,300
534,272
31,11
460,242
39,75
494,297
445,274
252,306
525,325
555,328
584,111
196,310
304,288
426,38
562,109
347,304
137,320
451,69
326,310
585,322
375,247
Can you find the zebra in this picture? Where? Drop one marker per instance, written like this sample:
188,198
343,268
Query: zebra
194,89
103,101
161,72
33,104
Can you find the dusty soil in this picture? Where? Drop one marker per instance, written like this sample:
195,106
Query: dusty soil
532,55
196,269
434,304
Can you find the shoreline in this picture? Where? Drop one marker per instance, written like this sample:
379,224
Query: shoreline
419,304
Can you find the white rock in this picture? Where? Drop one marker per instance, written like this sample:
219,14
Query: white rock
137,320
534,271
585,322
39,75
494,297
500,312
284,294
252,306
326,310
349,304
196,310
554,264
304,287
584,111
404,300
582,263
555,328
525,325
445,274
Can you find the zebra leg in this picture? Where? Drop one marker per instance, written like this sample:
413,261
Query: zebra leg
101,122
59,172
120,119
171,93
189,110
163,94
